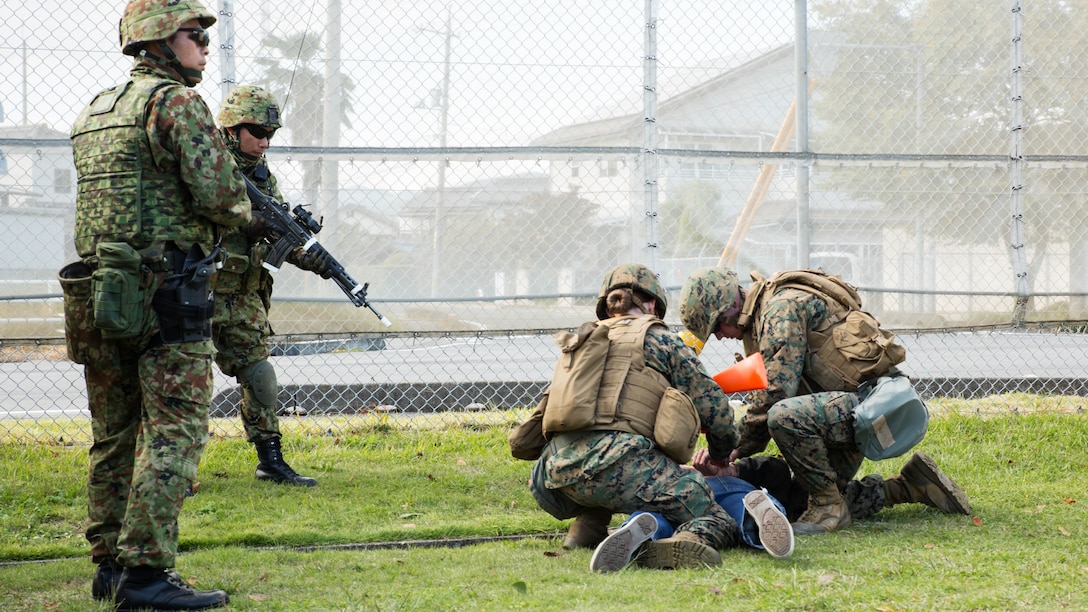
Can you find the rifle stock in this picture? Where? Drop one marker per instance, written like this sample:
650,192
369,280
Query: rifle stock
298,230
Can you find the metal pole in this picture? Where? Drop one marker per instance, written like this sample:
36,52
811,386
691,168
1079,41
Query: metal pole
436,247
1016,180
801,60
649,136
225,27
330,136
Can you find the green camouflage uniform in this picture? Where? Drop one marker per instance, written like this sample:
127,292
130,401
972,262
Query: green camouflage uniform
243,293
148,400
625,472
814,431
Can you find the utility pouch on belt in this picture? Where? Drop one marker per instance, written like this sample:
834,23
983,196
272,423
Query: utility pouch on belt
676,429
232,274
185,301
527,440
890,419
120,309
80,335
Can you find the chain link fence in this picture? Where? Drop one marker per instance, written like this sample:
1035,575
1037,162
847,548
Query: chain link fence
482,165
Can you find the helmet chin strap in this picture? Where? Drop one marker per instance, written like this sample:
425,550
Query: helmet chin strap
170,60
234,143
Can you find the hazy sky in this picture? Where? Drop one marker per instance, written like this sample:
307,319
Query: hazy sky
518,70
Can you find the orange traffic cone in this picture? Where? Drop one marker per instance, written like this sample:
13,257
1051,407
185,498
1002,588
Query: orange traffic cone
747,374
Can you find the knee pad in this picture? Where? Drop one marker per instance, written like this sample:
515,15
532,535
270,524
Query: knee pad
258,382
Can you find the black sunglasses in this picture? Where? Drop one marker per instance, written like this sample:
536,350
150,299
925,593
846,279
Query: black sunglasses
198,35
259,132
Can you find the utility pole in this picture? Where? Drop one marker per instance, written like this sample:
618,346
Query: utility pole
444,111
330,138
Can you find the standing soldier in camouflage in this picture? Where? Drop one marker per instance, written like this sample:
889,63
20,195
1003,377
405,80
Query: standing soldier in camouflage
813,428
243,290
155,185
614,461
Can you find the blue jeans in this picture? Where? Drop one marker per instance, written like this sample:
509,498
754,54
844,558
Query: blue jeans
729,492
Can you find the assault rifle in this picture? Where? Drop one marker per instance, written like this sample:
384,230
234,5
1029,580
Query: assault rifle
297,228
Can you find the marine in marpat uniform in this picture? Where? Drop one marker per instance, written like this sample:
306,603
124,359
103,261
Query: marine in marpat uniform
623,412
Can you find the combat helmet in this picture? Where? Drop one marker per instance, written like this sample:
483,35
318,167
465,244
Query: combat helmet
149,20
706,295
249,104
634,276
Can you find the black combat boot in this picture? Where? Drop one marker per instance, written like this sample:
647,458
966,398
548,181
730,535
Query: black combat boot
271,466
148,587
106,577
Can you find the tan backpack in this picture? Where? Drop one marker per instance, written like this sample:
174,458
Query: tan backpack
849,349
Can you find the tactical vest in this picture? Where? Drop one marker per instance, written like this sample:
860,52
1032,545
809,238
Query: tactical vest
123,195
629,393
848,349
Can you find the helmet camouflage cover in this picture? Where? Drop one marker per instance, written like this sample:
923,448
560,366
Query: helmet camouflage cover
706,295
148,20
249,104
635,276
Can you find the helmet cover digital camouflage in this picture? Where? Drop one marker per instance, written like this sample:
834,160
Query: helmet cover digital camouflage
148,20
706,295
249,104
634,276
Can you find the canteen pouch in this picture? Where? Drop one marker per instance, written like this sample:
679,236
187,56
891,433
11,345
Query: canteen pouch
676,429
891,418
80,335
120,308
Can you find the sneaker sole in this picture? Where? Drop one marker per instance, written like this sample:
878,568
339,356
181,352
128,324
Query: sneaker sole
615,551
664,554
927,469
775,532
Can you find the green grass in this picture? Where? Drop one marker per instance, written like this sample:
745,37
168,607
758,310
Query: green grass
1023,548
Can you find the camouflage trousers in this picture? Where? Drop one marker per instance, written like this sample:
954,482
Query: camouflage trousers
626,472
864,497
240,329
149,418
815,434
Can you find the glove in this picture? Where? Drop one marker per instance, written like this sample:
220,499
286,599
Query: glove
316,260
257,229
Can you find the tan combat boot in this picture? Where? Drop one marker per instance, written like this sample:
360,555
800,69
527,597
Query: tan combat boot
827,511
588,529
683,549
922,482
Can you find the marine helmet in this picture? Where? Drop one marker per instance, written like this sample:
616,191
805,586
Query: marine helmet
148,20
634,276
706,295
249,104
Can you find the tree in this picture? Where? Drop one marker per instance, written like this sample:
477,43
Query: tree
296,81
935,77
696,211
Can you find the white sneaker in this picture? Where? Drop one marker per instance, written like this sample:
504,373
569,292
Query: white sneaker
615,551
775,532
